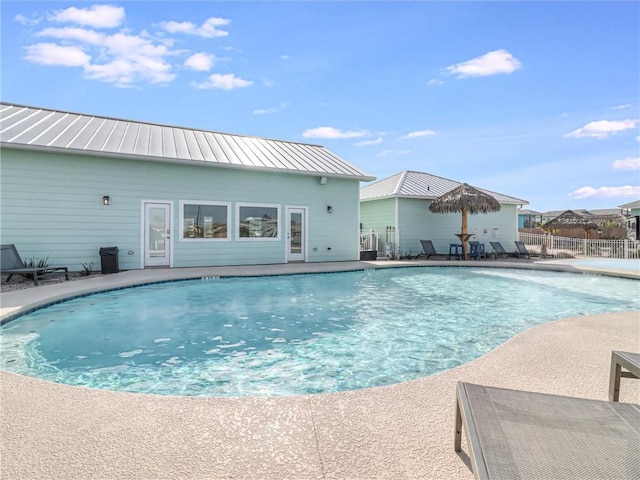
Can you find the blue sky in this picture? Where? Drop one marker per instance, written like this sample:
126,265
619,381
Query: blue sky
538,100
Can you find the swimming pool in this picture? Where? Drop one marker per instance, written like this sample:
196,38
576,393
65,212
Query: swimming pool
297,334
631,265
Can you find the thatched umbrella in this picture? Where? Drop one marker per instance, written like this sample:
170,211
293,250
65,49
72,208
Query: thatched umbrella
570,219
465,199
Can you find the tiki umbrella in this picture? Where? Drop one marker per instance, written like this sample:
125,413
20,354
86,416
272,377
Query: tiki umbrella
465,199
570,219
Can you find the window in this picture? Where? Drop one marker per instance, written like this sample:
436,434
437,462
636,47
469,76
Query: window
204,220
256,221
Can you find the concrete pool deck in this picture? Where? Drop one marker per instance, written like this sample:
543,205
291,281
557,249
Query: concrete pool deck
405,430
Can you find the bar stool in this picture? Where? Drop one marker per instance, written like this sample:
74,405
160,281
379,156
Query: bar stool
476,250
455,251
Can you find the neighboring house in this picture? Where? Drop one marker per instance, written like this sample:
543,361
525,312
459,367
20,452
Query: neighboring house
400,204
631,211
528,218
169,196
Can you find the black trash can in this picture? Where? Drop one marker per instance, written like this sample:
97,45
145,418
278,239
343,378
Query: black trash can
109,259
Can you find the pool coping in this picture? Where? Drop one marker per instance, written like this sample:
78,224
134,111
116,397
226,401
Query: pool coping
398,431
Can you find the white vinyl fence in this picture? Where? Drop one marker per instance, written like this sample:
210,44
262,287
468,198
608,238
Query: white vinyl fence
566,247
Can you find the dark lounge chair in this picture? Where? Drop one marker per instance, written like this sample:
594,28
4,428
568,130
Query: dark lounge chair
518,434
427,249
11,264
498,249
521,249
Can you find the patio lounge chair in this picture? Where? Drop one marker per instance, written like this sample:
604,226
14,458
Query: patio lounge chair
518,434
619,360
498,249
521,249
427,249
11,264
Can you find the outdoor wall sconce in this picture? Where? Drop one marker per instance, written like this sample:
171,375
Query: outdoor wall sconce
105,200
323,180
329,209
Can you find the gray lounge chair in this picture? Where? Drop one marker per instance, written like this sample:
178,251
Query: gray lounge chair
427,249
516,434
11,264
498,249
521,249
619,360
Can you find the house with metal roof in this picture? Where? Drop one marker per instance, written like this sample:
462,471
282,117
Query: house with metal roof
398,208
169,196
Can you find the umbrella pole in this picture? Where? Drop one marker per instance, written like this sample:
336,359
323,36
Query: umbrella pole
464,231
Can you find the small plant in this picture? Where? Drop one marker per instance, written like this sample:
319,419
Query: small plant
37,263
87,269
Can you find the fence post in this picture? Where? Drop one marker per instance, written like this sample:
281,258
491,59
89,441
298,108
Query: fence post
625,248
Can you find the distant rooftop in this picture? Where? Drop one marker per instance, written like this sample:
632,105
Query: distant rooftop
635,204
35,128
410,184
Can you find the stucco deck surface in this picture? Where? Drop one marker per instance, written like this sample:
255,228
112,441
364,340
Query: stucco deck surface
401,431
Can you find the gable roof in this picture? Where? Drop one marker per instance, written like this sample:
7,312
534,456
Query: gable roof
34,128
410,184
630,205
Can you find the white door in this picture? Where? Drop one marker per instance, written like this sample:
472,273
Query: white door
296,234
157,234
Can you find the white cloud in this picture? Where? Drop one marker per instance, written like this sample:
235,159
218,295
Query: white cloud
284,57
121,58
492,63
265,111
224,82
434,82
98,16
602,128
330,132
201,62
53,54
23,20
209,29
606,192
622,107
74,33
393,153
419,133
630,163
366,143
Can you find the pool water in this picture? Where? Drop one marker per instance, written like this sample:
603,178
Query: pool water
297,334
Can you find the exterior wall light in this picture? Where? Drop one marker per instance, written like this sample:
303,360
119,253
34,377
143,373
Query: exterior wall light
329,209
323,180
105,200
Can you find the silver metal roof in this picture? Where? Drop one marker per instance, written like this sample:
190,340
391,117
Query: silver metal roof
411,184
44,129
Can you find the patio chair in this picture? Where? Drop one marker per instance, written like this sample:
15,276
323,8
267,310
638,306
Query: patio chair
476,250
427,249
518,434
619,360
521,249
11,264
498,249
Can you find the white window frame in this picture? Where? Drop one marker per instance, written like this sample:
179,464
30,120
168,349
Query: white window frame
182,238
278,208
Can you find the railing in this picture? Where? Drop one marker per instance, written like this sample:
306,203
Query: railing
368,240
567,247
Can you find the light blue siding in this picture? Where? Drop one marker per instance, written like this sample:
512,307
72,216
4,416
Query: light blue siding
51,205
